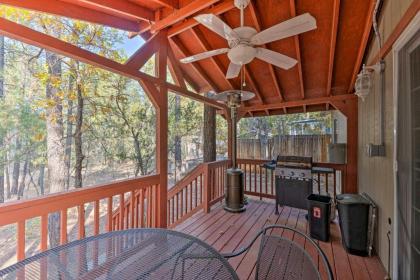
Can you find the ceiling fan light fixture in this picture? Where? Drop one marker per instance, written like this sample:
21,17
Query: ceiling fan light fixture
242,54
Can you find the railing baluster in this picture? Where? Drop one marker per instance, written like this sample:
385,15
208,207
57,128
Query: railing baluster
20,249
132,207
319,183
81,211
141,206
260,183
191,197
121,220
326,183
255,177
109,214
63,226
96,217
266,180
44,233
335,183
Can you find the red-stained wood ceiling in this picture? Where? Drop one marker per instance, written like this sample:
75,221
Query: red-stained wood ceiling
329,57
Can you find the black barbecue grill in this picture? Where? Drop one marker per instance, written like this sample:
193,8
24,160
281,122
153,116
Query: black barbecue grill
293,177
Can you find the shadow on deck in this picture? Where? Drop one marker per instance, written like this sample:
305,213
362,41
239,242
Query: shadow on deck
227,232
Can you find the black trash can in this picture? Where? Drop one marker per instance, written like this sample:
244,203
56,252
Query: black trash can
354,211
319,208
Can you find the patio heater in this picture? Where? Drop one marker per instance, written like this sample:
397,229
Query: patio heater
234,186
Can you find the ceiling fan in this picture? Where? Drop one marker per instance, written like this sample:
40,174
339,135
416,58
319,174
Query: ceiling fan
243,41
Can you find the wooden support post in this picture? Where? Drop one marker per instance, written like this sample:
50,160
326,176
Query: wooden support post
159,98
350,109
230,139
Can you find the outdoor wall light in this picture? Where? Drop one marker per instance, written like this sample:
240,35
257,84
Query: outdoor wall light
364,79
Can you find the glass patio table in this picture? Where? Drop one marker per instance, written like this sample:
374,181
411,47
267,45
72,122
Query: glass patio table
128,254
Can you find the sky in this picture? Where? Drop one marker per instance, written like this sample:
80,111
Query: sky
132,45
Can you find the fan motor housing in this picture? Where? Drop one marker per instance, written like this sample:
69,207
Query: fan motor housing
242,54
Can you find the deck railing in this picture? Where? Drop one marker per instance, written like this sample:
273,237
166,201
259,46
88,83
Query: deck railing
133,203
260,182
141,210
200,189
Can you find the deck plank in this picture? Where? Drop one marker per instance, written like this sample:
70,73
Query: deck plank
227,232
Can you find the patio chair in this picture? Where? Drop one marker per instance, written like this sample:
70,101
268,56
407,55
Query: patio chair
282,258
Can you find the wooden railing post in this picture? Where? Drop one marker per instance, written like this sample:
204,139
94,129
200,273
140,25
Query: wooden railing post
206,189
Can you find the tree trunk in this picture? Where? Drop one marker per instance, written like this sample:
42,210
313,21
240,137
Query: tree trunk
8,194
78,139
178,151
2,150
55,147
16,167
69,134
209,134
41,179
22,184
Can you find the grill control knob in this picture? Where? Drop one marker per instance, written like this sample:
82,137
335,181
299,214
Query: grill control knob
292,173
303,174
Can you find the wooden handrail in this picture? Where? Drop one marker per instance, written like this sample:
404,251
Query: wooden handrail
12,212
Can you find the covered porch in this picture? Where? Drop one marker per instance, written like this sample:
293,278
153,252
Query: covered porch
328,61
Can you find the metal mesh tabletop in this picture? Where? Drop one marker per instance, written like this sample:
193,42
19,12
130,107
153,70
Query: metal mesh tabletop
129,254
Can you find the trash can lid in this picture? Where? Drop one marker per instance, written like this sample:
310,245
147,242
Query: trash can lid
319,198
349,198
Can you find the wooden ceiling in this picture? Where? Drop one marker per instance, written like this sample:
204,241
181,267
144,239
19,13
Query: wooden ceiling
329,57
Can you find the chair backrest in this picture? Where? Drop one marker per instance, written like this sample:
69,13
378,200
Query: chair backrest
283,258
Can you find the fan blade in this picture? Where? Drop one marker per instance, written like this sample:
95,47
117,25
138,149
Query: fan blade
204,55
276,58
217,25
233,71
291,27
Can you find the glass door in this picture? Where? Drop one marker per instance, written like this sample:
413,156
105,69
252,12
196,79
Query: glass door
408,157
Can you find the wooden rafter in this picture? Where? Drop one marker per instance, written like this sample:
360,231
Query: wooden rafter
297,47
73,11
172,4
218,9
122,7
363,44
298,103
181,14
197,68
258,27
250,78
334,29
176,70
32,37
214,59
140,57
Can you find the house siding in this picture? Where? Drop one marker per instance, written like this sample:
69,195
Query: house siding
376,175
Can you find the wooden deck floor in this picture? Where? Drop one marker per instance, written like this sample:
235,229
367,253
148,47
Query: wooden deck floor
227,232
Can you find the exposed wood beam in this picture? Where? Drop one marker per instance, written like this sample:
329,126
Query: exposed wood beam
258,26
334,29
197,68
410,13
298,103
253,83
176,70
32,37
171,4
140,57
122,7
297,47
214,59
221,8
362,47
181,14
75,12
